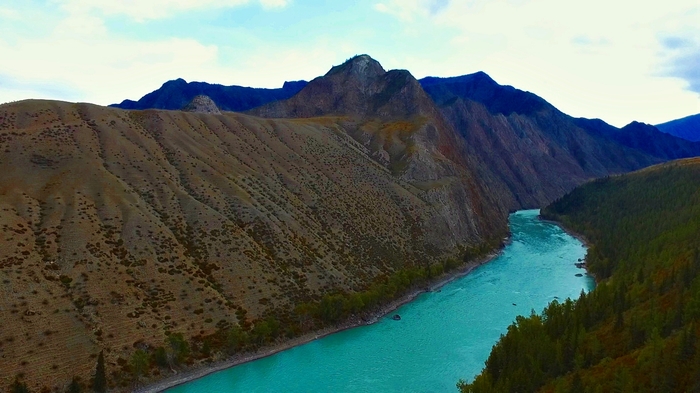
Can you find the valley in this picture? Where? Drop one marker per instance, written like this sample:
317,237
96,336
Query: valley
163,240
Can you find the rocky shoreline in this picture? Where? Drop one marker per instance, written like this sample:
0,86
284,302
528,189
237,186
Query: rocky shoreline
579,237
203,370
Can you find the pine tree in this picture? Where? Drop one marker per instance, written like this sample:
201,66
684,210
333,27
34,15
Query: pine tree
19,387
577,384
74,386
99,383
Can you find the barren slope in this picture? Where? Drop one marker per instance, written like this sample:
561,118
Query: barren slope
118,226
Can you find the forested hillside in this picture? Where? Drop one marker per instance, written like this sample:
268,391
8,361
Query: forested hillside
638,330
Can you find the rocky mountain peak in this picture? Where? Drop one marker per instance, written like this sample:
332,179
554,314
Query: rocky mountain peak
358,87
361,66
202,104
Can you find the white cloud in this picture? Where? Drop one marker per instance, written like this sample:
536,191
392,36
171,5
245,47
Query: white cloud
406,10
597,58
86,63
269,4
80,60
142,10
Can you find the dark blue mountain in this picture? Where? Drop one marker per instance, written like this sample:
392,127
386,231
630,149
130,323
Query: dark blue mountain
479,87
175,94
687,128
509,101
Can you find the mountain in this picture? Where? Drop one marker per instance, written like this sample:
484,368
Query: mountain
389,114
359,87
202,104
124,229
175,94
687,128
539,152
480,87
637,331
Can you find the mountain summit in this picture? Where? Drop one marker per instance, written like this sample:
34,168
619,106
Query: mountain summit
359,87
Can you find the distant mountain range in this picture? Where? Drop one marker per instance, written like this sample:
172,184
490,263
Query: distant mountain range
499,124
175,94
686,128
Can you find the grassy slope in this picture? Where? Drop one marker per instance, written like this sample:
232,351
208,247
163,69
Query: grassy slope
638,330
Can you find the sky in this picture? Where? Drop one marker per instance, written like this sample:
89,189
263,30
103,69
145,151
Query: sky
618,60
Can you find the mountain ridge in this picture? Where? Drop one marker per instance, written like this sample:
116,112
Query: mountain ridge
687,127
175,94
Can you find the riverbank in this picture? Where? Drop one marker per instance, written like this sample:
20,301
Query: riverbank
568,231
203,370
576,236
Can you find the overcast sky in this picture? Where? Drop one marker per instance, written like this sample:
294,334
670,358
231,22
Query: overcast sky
618,60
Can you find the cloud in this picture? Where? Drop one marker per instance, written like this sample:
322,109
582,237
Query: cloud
87,64
681,60
76,57
676,42
595,58
142,10
587,41
269,4
435,6
409,10
686,67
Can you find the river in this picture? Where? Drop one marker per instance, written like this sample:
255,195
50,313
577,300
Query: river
442,336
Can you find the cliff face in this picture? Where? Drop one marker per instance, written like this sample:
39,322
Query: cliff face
119,227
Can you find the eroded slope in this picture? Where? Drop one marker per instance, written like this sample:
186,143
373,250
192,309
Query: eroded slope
118,227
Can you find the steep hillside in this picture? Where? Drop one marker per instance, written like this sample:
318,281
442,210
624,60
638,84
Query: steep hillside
638,331
389,114
687,128
177,93
123,228
537,151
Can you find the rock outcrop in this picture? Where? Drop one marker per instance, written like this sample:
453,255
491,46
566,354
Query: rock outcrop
202,104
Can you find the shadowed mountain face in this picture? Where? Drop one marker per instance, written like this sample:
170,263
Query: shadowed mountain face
481,88
538,152
177,93
646,138
687,128
120,226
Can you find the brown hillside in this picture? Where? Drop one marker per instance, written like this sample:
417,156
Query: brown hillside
120,226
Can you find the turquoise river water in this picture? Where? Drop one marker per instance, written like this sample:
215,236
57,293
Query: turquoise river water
442,336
